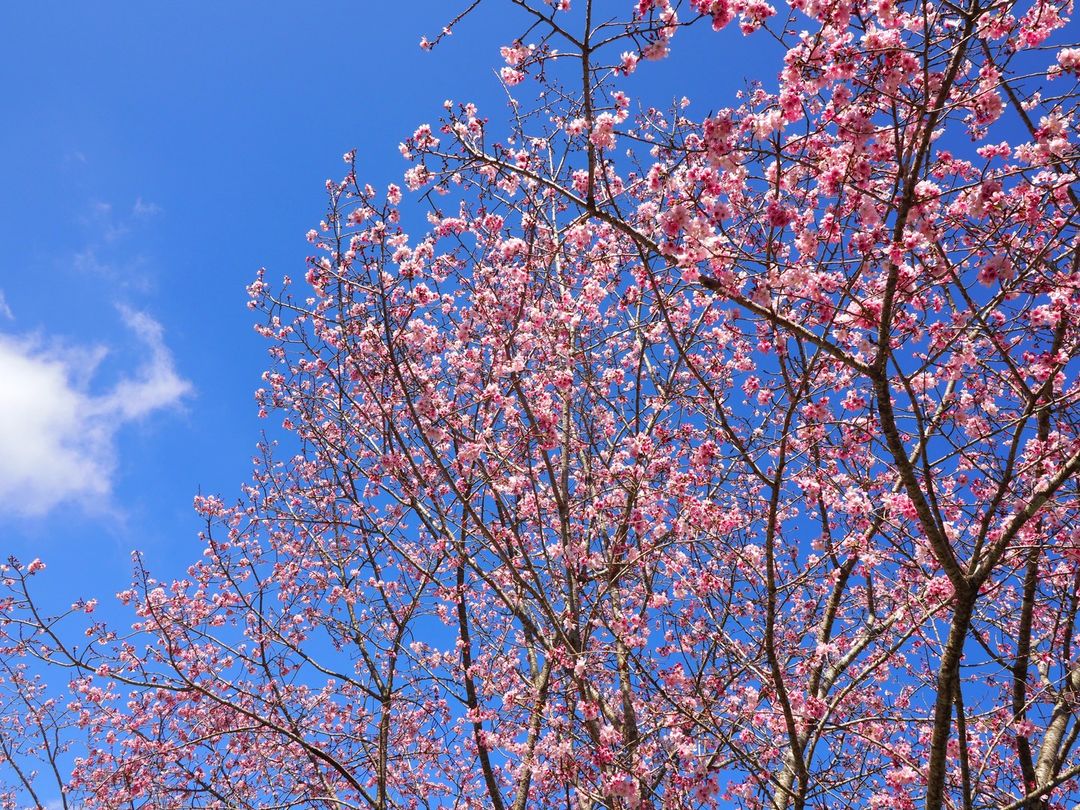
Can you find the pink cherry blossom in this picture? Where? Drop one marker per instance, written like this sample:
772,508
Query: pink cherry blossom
640,457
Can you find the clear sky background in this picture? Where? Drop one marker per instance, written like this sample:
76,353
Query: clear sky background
155,156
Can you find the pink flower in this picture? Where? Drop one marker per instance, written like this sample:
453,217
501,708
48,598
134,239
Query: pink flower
1068,60
779,215
996,268
720,10
511,76
853,401
514,54
656,50
754,16
603,134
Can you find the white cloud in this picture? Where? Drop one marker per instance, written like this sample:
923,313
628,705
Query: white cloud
57,438
5,310
145,209
86,261
127,275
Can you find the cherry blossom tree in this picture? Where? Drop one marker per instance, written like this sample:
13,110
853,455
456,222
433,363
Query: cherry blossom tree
679,462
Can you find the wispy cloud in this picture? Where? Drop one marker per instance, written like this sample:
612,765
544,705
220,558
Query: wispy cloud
128,274
98,218
111,248
57,438
106,225
86,261
144,209
5,310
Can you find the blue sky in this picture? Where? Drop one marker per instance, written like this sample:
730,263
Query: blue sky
156,156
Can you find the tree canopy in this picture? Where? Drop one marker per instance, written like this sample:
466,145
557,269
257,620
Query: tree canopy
675,462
